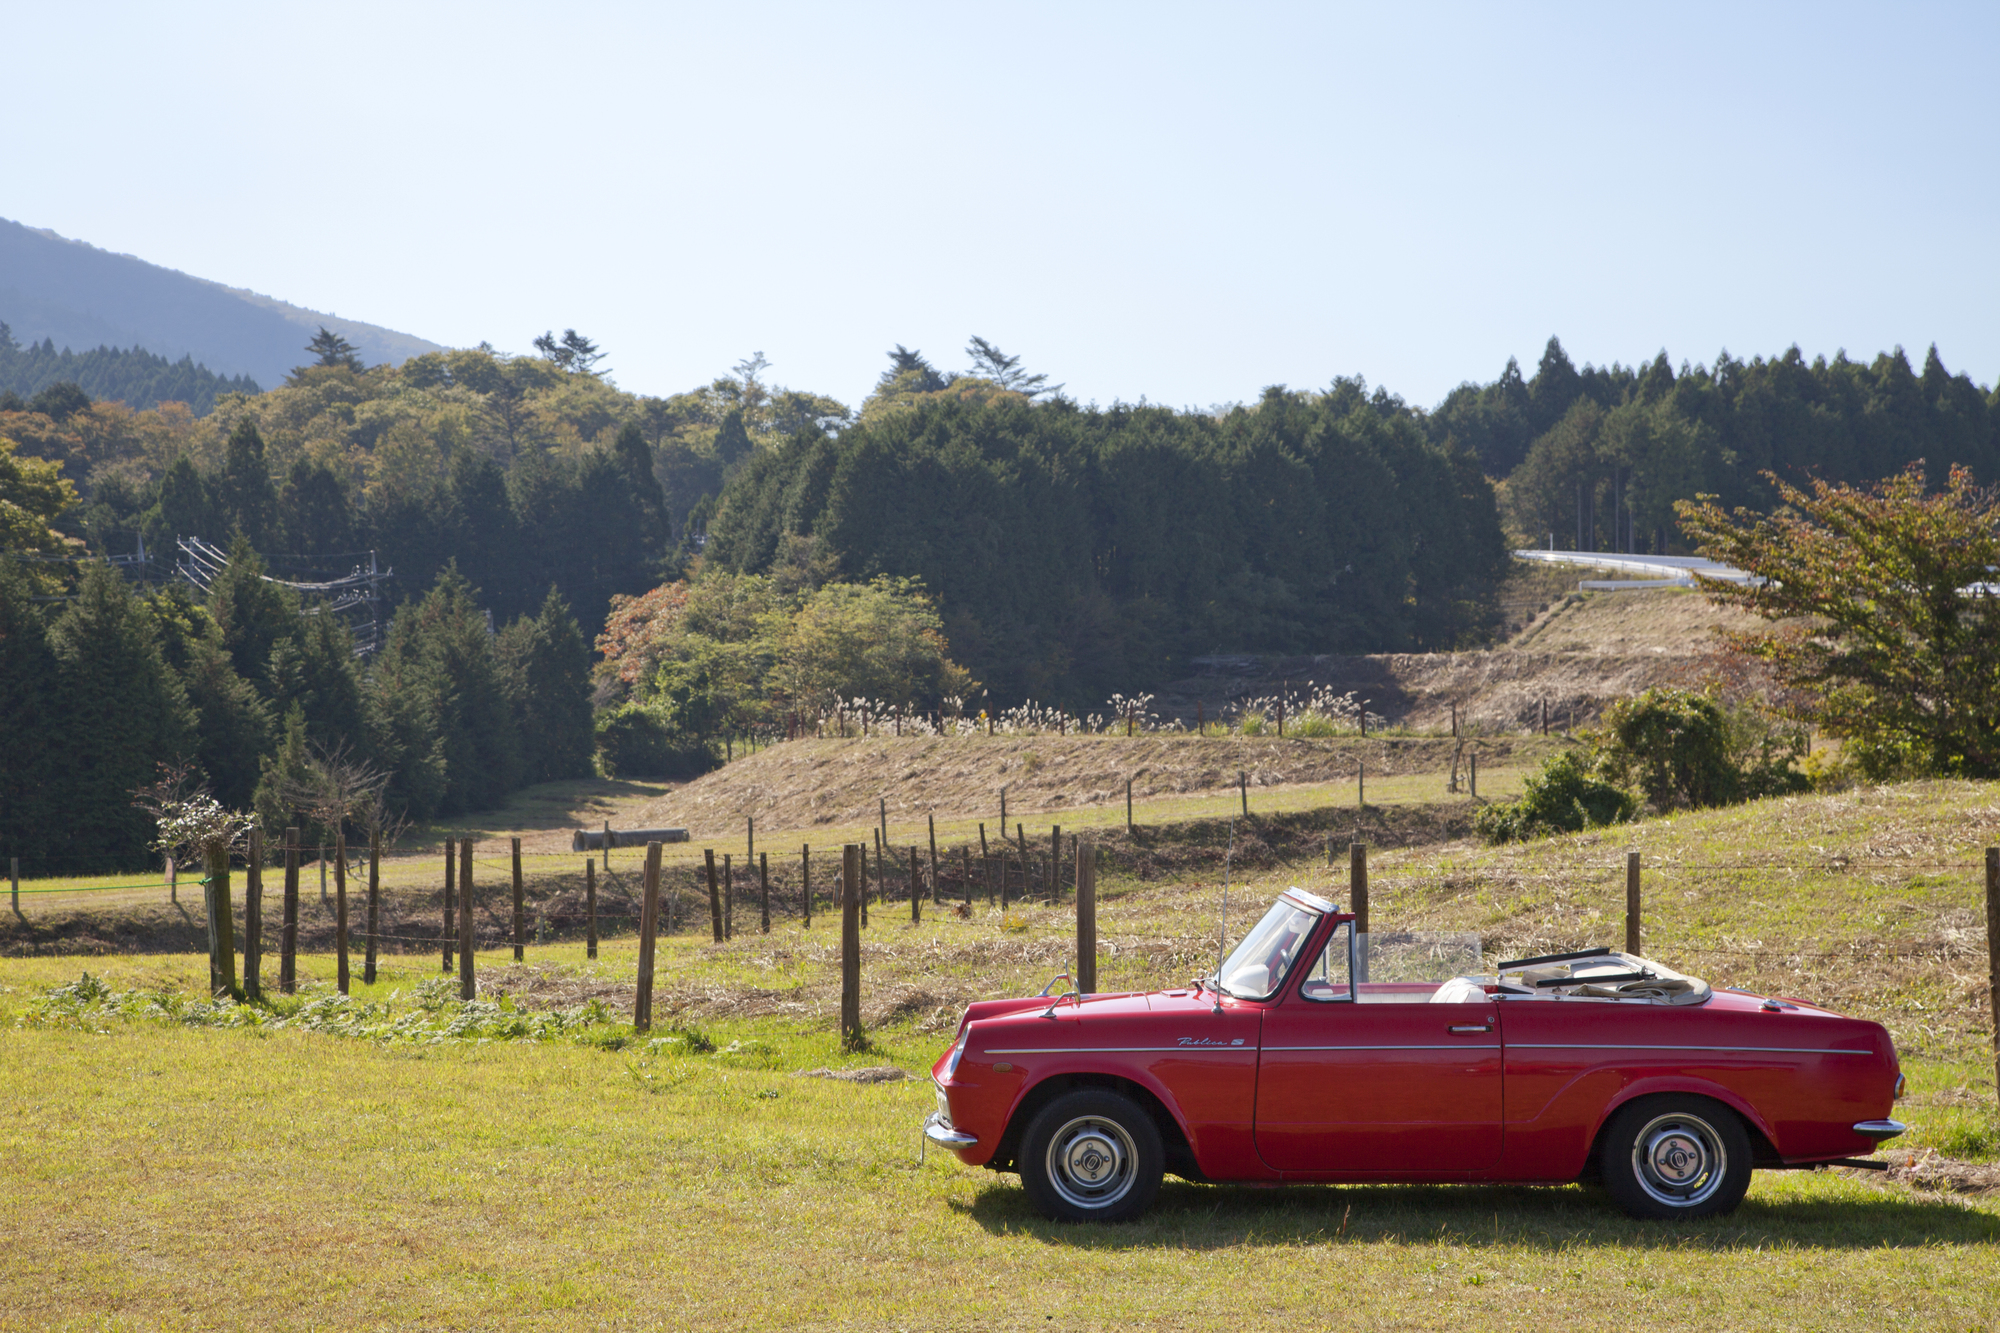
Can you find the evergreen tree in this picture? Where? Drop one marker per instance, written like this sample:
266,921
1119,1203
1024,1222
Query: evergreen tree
314,517
123,712
182,509
330,349
444,696
252,612
549,667
34,779
232,723
242,493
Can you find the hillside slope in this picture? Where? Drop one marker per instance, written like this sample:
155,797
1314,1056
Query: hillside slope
83,297
1584,652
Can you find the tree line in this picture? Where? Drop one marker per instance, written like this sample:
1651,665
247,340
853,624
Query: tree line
1596,459
102,682
131,375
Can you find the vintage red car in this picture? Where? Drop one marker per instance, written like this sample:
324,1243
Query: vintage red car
1291,1064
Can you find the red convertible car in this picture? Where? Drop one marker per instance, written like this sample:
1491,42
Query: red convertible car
1290,1064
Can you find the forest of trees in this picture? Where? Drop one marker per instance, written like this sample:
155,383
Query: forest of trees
264,693
130,375
744,549
1598,456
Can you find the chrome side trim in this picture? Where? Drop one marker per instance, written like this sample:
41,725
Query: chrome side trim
1676,1046
1410,1046
1116,1050
1881,1129
939,1131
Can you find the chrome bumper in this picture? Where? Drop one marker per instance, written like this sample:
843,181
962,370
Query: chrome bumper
1881,1129
939,1131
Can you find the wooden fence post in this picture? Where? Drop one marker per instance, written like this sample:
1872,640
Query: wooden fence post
1243,788
714,895
324,901
850,947
288,938
340,910
589,908
1993,947
932,821
221,927
1086,916
1632,902
519,931
253,918
1472,772
965,876
1357,876
173,883
649,920
728,898
374,903
468,983
1055,863
882,803
764,887
806,882
450,902
861,887
916,890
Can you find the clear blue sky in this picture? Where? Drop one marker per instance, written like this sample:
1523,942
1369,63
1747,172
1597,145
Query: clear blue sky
1184,203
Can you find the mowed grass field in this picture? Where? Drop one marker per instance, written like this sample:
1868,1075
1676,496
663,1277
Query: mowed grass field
154,1175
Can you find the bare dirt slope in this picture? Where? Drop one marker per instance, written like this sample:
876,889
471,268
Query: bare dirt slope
1585,651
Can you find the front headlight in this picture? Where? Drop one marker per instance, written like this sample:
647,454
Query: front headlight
951,1061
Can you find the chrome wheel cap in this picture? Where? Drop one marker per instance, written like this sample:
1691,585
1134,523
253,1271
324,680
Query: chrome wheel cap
1092,1162
1679,1160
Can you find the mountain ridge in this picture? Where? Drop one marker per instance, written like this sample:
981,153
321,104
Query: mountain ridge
82,296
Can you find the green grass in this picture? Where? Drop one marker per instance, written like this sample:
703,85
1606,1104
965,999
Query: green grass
153,1175
156,1177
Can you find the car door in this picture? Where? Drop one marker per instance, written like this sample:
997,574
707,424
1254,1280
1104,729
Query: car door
1354,1082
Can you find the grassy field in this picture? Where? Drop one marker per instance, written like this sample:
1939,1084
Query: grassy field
158,1174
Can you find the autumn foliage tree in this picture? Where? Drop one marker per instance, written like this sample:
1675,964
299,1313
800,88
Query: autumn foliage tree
1883,599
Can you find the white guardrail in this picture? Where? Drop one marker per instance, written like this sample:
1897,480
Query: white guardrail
1643,571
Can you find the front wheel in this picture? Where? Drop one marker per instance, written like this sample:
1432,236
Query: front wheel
1092,1156
1675,1157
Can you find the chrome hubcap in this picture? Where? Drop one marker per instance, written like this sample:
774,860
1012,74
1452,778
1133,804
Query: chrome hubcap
1092,1162
1679,1160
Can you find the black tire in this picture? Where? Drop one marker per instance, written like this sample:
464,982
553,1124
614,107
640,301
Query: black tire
1674,1157
1092,1156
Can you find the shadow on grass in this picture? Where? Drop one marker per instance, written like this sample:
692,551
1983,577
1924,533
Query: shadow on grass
572,803
1843,1216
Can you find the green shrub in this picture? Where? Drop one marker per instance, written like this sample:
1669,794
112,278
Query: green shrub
1563,798
1686,750
633,741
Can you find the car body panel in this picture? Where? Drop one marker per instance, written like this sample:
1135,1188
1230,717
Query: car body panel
1514,1088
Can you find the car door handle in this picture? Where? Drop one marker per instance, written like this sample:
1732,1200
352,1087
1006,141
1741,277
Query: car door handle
1469,1027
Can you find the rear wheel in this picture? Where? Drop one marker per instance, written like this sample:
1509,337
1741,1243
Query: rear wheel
1672,1157
1092,1156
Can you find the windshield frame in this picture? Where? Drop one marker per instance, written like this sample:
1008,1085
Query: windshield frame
1307,912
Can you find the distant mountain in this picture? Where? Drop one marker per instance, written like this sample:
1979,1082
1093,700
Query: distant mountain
81,297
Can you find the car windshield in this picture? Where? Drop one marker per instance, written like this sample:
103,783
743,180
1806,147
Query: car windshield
1256,967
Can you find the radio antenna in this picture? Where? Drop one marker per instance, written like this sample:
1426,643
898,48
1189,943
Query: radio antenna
1222,926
